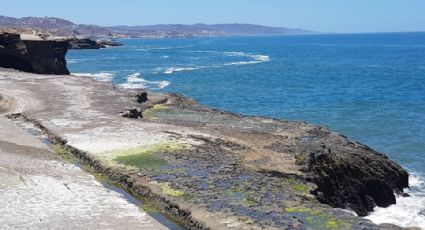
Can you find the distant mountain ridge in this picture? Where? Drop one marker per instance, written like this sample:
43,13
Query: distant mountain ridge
62,27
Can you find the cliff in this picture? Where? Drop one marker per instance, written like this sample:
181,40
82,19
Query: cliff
208,168
42,57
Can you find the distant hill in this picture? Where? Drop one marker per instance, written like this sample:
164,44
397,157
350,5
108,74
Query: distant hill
62,27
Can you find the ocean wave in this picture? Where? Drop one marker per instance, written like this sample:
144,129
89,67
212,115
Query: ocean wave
409,211
154,48
101,76
135,81
171,70
255,59
148,48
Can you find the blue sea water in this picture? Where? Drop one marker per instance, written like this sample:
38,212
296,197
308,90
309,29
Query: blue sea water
370,87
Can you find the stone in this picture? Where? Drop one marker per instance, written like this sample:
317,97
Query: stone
133,113
142,97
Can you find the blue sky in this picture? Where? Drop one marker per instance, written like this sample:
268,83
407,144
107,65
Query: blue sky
320,15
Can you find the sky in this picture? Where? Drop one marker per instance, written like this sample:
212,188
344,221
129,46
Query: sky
340,16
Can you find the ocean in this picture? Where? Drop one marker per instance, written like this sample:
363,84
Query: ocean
370,87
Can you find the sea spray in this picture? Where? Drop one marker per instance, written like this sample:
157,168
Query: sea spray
409,211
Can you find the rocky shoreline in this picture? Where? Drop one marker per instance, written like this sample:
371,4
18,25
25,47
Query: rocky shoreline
208,168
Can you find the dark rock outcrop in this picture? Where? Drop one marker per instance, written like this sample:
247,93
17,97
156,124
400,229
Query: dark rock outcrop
42,57
107,42
84,43
133,113
351,175
142,97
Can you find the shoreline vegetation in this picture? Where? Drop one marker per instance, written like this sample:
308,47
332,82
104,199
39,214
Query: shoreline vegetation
207,168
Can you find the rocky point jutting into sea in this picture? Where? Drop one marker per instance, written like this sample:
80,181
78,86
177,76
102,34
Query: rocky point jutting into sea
207,168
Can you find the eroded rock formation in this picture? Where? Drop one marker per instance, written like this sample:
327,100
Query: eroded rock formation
42,57
84,43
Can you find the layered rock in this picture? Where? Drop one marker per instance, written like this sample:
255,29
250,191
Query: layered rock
42,57
108,42
84,43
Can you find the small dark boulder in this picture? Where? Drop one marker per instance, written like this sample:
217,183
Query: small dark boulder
133,113
142,97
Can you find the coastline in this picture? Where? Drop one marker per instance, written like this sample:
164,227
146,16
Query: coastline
86,116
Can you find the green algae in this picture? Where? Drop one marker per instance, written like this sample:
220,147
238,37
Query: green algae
61,151
150,113
318,219
297,186
310,219
141,161
242,195
332,224
167,190
303,210
149,207
188,197
145,157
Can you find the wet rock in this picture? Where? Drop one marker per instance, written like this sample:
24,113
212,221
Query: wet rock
353,176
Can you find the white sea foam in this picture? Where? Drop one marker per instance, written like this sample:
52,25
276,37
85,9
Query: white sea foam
255,59
72,61
163,84
101,76
135,77
135,81
148,48
409,211
171,70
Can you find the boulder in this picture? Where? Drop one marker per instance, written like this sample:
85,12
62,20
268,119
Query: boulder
133,113
142,97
